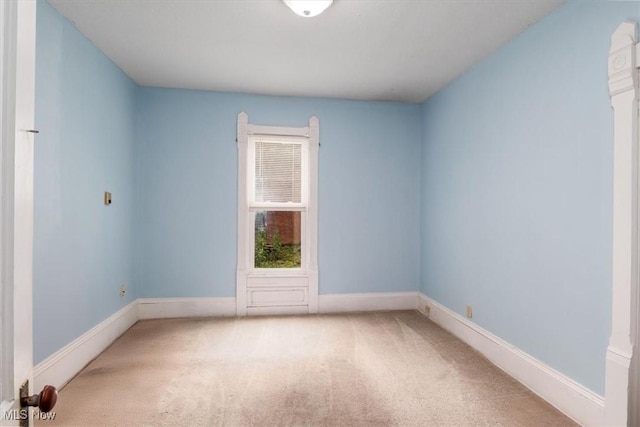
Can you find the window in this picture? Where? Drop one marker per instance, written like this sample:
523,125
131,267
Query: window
278,169
278,194
277,269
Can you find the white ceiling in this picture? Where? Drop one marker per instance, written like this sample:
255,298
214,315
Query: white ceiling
389,50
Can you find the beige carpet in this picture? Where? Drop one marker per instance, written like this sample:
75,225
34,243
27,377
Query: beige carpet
370,369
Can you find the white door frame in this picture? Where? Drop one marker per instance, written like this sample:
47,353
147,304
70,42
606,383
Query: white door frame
621,381
17,86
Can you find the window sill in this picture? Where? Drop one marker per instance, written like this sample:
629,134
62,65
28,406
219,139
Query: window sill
278,272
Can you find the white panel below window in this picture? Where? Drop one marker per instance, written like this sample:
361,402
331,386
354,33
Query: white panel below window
269,297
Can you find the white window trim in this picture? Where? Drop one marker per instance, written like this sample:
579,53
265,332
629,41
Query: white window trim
302,280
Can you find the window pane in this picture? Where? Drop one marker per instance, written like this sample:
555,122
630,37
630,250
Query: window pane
278,172
277,239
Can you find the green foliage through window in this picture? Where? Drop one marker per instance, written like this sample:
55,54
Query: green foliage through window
275,254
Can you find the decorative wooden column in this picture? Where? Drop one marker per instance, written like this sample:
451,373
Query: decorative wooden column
623,87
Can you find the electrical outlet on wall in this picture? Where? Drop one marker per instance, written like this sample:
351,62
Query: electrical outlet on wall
469,312
123,290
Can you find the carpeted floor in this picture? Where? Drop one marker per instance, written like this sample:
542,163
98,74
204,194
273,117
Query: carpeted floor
365,369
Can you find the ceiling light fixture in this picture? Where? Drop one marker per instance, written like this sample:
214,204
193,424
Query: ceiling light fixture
308,8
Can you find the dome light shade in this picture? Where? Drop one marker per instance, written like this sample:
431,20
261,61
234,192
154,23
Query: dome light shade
308,8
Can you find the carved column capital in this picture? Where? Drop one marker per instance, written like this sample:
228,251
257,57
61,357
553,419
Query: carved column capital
623,72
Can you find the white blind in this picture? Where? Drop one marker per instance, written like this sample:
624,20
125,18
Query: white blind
278,174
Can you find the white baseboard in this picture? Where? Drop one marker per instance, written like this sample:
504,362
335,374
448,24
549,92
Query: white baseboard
65,363
340,303
161,308
278,311
573,399
164,308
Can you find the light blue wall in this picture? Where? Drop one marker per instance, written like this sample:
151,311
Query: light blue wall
517,190
512,165
83,250
369,166
169,158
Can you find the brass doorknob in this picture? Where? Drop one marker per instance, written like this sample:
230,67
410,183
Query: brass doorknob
45,401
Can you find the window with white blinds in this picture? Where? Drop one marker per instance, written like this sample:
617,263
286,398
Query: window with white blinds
278,172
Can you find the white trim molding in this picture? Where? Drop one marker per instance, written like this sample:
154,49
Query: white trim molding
342,303
573,399
166,308
621,383
59,368
285,286
242,246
